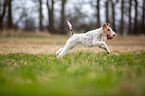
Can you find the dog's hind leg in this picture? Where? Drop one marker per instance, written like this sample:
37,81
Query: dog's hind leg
65,50
58,51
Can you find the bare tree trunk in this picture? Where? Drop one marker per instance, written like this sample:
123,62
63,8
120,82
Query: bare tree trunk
40,16
113,16
143,17
98,13
3,14
62,24
135,19
129,28
50,6
10,19
107,11
113,3
122,16
0,6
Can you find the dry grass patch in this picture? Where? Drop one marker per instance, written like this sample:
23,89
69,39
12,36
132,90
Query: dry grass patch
50,44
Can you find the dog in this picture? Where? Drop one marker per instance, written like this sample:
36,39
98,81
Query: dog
89,39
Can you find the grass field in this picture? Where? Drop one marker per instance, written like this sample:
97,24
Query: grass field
28,67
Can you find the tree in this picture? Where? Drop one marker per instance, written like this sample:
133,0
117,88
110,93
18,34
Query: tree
62,24
135,19
143,16
113,3
50,7
107,11
122,16
130,5
7,3
98,13
0,6
3,14
10,19
40,16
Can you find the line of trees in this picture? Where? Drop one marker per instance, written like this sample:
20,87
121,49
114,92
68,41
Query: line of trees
131,15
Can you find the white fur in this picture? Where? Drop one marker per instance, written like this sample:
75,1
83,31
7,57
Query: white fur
90,39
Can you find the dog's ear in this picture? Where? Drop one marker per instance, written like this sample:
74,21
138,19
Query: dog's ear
108,24
104,25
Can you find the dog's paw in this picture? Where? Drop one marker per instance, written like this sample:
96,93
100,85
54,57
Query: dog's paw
108,52
55,55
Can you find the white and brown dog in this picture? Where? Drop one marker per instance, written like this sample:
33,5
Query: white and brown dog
92,38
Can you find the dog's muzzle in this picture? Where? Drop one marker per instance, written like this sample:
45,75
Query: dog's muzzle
109,37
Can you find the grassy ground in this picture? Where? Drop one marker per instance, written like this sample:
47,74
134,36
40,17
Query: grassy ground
28,67
49,45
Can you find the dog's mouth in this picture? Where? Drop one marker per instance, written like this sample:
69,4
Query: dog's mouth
109,37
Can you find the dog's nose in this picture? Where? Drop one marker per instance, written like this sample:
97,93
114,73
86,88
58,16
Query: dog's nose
114,35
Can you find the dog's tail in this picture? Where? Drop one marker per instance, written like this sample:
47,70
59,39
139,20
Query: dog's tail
70,27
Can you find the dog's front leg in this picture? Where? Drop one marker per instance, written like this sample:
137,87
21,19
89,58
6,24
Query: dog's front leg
102,45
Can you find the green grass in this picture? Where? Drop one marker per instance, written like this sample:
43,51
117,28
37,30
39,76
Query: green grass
82,73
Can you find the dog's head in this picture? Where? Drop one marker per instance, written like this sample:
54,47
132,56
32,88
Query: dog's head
108,31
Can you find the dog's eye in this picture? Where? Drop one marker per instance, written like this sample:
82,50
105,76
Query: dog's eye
108,29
